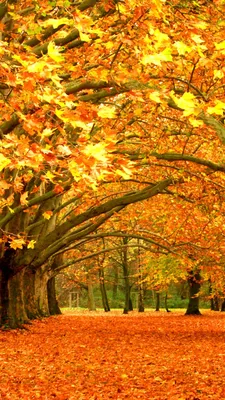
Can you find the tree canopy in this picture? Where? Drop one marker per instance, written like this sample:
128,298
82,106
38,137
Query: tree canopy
105,104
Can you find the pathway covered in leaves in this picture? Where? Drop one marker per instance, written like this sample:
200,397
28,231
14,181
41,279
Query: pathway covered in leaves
103,356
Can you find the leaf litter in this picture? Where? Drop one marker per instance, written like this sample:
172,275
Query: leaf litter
101,356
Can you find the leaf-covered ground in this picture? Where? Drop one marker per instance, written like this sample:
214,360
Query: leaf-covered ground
103,356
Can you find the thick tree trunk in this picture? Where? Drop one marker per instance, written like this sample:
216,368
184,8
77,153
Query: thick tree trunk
17,313
157,304
194,282
30,300
4,296
216,303
223,305
53,305
41,294
12,311
105,302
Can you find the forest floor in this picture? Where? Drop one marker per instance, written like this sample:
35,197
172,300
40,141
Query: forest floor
96,355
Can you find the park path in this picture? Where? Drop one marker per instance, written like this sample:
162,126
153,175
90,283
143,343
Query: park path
93,356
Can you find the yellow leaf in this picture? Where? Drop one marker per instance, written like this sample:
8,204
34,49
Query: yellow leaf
74,169
3,162
54,53
124,174
47,214
97,151
156,58
57,22
17,243
186,102
46,132
182,48
197,39
218,109
49,175
23,198
196,123
37,66
107,112
220,46
218,74
20,60
31,244
155,97
84,37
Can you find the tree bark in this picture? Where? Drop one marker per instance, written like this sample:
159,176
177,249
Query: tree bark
166,304
53,305
115,282
41,294
223,305
157,305
30,300
194,281
128,303
91,299
105,302
12,311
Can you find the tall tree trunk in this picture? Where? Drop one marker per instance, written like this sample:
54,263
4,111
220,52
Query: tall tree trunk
157,304
141,307
166,304
115,282
41,294
30,299
12,311
194,282
91,299
52,301
216,303
105,302
17,314
128,303
223,305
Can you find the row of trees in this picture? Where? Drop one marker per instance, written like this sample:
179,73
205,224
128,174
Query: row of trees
111,125
123,268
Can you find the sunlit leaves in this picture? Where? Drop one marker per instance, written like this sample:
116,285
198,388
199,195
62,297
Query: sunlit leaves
54,53
98,151
186,102
57,22
3,162
107,112
182,48
47,214
17,243
217,109
157,58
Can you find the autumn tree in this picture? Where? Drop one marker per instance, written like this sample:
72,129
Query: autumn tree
101,94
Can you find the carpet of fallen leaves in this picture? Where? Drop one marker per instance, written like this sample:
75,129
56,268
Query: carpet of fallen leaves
102,356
